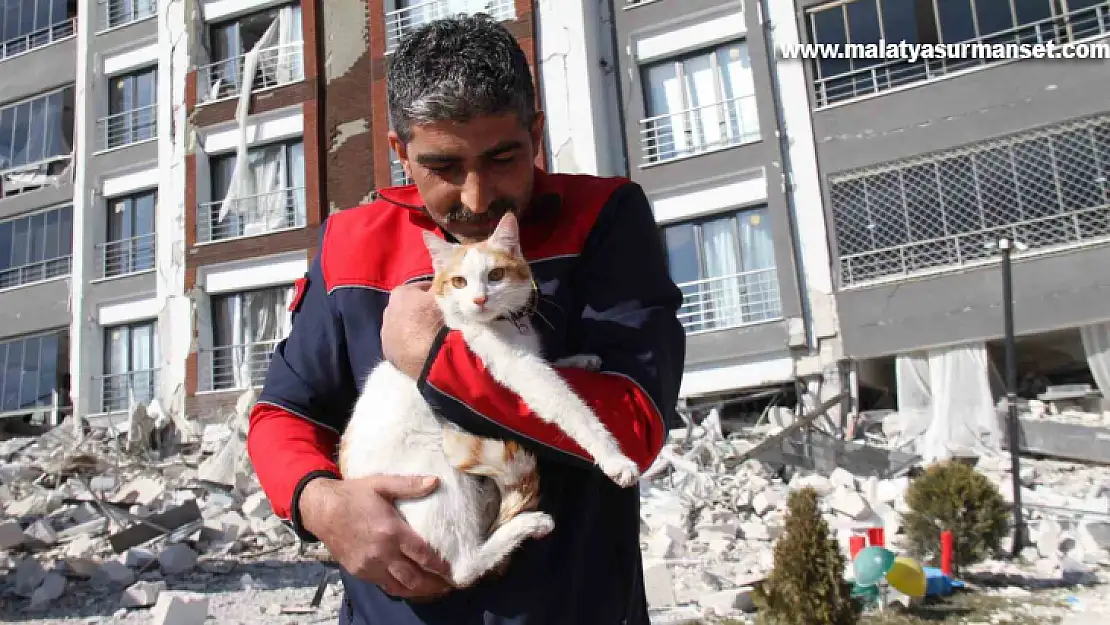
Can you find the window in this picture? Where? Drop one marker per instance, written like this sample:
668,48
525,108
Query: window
1048,188
130,365
29,373
279,33
699,102
130,235
269,196
725,266
35,247
121,12
36,130
405,16
29,24
246,327
131,109
932,22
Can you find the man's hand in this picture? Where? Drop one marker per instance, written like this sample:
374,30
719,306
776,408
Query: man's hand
357,522
409,326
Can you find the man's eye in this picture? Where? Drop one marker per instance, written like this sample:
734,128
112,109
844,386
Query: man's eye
458,282
496,275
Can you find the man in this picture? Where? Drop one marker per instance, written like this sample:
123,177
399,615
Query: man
462,105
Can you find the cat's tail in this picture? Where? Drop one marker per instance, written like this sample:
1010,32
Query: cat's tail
510,466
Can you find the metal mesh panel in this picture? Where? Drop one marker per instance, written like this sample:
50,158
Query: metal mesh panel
1046,188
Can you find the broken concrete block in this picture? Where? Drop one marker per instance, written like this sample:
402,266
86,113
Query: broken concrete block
890,491
1048,538
103,483
116,573
257,506
82,547
177,558
179,608
136,557
658,584
766,501
142,594
842,478
28,575
53,586
725,602
850,504
11,534
819,483
42,531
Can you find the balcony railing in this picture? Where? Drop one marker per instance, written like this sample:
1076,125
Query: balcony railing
252,215
38,38
120,129
397,173
403,21
730,301
116,13
34,272
1078,25
277,65
118,389
697,130
235,367
126,256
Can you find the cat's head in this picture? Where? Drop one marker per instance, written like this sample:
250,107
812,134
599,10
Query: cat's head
479,282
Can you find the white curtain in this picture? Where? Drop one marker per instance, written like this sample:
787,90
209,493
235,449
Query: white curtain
255,321
264,203
702,93
287,60
759,279
667,136
738,92
721,293
945,402
1096,344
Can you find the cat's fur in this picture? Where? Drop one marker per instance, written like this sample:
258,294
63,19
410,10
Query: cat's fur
393,430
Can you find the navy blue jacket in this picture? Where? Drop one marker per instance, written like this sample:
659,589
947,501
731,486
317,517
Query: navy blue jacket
598,260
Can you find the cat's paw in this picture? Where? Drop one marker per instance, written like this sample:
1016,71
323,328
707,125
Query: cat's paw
540,524
620,469
589,362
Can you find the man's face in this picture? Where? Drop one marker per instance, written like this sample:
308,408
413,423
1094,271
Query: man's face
469,175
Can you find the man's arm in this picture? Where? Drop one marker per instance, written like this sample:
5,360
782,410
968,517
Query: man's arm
294,427
629,318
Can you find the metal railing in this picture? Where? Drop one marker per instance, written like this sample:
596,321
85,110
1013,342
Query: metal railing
252,215
401,22
120,129
397,173
126,256
730,301
1078,25
1049,188
277,65
118,389
39,38
235,367
35,272
116,13
701,129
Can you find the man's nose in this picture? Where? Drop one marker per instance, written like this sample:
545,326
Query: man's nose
474,193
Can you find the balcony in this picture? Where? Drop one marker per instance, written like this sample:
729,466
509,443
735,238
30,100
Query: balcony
235,367
126,128
126,256
699,130
401,22
276,66
35,272
37,39
397,173
730,301
1078,25
252,215
116,13
116,390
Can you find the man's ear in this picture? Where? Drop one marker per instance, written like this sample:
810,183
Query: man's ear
537,133
400,148
438,249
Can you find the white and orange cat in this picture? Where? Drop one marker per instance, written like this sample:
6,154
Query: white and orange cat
482,289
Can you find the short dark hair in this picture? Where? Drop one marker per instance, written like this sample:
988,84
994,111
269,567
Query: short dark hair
456,69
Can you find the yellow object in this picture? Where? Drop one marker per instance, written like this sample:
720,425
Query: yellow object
907,577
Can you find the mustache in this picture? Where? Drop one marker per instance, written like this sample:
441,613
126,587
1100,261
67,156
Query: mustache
459,214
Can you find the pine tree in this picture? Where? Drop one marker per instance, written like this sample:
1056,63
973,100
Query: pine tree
807,585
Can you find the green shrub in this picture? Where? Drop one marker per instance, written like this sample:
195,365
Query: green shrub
807,585
953,496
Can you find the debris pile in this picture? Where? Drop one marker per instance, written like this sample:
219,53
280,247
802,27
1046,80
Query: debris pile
108,513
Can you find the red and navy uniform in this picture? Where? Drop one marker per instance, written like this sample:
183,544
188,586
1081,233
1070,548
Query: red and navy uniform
598,260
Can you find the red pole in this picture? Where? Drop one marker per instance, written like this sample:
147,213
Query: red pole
876,536
946,553
856,545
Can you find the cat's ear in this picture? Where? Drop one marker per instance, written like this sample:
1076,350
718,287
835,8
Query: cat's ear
506,237
438,249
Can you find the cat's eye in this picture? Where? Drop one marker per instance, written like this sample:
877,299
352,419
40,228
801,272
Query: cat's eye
458,282
497,274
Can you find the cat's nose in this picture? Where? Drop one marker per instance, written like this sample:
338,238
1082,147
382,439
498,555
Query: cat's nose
481,300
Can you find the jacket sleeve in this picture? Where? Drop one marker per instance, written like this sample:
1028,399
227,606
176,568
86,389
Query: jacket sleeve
295,424
628,307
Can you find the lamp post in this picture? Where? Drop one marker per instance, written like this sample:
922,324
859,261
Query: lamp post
1007,246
